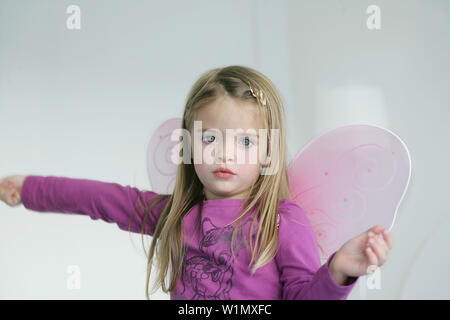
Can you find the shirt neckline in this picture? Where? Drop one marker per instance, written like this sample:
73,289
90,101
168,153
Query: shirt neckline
230,202
223,202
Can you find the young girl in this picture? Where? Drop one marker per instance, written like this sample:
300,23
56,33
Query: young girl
218,235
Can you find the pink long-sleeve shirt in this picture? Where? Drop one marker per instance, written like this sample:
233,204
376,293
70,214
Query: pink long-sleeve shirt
209,270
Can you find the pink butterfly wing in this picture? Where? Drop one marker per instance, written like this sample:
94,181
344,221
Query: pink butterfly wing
160,168
348,180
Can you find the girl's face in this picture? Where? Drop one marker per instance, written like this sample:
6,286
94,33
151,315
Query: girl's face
238,151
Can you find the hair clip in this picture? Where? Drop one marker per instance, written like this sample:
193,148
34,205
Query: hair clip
262,99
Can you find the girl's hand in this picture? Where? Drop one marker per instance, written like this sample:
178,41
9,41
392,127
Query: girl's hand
366,250
10,189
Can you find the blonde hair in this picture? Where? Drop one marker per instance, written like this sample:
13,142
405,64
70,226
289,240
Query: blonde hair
167,243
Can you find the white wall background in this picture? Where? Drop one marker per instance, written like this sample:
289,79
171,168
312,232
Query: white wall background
84,103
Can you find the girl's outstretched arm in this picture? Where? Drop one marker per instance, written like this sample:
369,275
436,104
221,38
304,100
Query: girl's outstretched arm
110,202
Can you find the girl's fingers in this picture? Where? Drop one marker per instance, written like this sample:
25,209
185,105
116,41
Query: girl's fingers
382,244
9,192
9,196
375,230
373,260
15,200
379,251
5,185
4,192
388,238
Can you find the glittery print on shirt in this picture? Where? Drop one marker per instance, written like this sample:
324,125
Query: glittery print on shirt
209,275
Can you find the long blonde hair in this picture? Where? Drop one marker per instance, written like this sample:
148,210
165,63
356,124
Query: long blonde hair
167,243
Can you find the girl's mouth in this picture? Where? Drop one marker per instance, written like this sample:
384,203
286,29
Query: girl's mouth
223,175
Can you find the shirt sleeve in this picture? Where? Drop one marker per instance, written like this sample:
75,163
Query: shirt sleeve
124,205
298,260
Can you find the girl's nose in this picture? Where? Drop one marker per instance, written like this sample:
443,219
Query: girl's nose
228,158
225,156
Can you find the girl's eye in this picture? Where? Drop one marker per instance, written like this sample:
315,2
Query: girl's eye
248,142
205,139
210,139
